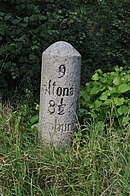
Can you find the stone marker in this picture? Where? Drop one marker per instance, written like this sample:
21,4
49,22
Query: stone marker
60,85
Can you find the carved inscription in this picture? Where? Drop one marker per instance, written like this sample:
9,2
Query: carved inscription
51,107
59,92
52,88
61,107
62,70
60,127
58,107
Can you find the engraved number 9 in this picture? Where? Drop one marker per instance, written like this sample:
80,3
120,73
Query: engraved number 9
62,70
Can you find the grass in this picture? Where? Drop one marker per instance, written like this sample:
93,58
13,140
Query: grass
97,164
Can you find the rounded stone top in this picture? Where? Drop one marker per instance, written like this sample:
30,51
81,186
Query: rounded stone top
61,48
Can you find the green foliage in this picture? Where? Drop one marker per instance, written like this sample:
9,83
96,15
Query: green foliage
107,95
96,164
98,29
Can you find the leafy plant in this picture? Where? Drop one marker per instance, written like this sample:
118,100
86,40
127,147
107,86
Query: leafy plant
100,166
107,95
98,29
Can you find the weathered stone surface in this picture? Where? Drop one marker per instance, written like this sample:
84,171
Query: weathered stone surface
60,85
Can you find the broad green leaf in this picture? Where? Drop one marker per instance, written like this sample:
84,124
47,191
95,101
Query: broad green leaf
16,21
108,102
110,88
26,19
91,106
95,90
116,81
104,95
95,76
82,111
97,103
24,24
123,110
99,71
127,77
7,17
118,101
124,88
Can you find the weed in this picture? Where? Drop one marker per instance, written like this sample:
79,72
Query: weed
96,164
